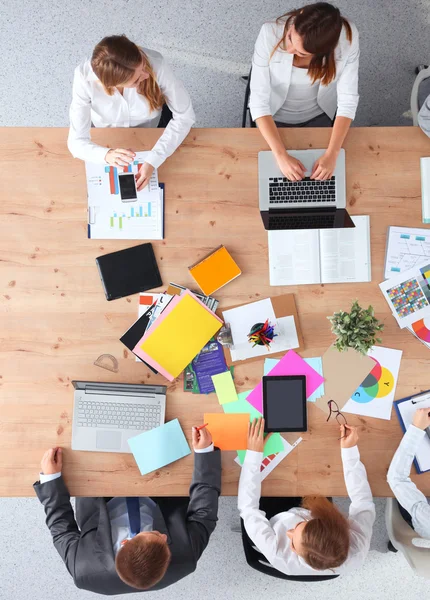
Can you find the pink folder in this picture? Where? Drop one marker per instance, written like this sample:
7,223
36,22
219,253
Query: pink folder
290,364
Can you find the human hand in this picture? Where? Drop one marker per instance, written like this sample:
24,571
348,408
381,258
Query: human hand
291,167
256,439
324,166
52,461
144,175
201,438
119,157
422,418
349,436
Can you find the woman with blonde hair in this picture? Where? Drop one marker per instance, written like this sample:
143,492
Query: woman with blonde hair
314,539
305,74
124,85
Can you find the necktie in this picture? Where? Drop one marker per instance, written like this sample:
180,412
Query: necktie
133,509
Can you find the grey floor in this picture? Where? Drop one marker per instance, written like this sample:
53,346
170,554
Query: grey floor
210,46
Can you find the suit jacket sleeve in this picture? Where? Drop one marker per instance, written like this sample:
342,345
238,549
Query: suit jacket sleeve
60,519
203,506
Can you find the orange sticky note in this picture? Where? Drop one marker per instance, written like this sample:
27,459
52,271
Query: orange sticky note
229,431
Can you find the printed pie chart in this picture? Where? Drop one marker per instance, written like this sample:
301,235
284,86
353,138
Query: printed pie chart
378,383
422,329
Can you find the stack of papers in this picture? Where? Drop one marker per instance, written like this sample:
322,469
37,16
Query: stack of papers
109,217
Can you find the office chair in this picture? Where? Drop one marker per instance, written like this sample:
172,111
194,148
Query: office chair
420,91
256,560
166,115
401,537
246,112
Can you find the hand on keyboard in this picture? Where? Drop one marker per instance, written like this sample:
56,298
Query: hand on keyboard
291,167
324,166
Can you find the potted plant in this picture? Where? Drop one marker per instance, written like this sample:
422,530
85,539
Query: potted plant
357,329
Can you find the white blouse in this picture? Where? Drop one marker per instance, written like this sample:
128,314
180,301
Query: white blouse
301,103
91,105
270,537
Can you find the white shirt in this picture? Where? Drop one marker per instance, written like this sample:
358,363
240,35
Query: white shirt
271,75
270,537
301,103
424,116
406,492
91,105
118,514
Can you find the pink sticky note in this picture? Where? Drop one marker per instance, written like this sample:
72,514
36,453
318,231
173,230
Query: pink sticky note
290,364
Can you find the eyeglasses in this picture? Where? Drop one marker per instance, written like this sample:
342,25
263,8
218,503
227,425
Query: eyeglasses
334,410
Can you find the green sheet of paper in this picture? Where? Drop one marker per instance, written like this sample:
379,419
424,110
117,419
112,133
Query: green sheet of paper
224,387
242,406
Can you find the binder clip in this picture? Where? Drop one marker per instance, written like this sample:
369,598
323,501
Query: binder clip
224,336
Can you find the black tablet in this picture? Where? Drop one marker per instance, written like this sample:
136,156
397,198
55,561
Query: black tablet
284,403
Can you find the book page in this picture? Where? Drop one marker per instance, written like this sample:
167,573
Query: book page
345,253
294,257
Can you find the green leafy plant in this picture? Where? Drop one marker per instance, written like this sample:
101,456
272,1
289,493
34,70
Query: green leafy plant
357,329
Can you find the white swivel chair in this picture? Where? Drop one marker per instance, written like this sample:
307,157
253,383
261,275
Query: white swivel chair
401,536
416,101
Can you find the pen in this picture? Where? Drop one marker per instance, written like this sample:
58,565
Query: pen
201,426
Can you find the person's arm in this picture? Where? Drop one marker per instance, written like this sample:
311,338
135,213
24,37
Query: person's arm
202,513
179,102
406,492
362,507
60,518
424,116
256,524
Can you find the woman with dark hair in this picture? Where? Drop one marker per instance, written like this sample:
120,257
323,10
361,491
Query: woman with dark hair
305,74
124,85
314,538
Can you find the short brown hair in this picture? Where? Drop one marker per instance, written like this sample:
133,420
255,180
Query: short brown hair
114,61
142,561
319,25
326,537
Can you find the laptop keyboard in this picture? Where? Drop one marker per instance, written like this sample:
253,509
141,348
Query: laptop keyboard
301,222
282,190
116,415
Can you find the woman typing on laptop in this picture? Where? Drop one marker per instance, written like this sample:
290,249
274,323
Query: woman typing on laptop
124,85
305,74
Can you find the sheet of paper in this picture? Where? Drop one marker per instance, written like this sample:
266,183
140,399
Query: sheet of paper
294,257
315,363
421,330
111,218
242,406
229,431
345,253
343,373
158,447
374,397
224,387
270,462
408,294
407,247
407,410
290,364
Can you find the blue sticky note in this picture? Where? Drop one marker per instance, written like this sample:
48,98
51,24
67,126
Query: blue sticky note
315,363
159,447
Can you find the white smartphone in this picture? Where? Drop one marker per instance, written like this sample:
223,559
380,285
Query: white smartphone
127,187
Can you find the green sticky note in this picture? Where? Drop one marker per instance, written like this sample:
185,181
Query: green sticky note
224,388
242,406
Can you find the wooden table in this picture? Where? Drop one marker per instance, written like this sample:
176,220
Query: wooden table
55,320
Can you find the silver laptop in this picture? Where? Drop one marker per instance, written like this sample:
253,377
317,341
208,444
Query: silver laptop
305,204
106,415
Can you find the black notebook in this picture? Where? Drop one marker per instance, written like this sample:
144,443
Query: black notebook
128,271
133,335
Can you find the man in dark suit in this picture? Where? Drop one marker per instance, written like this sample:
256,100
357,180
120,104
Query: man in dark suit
122,545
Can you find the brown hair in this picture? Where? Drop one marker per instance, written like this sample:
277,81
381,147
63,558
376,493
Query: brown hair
326,537
114,61
319,25
142,561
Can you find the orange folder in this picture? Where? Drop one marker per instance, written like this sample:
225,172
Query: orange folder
229,431
215,270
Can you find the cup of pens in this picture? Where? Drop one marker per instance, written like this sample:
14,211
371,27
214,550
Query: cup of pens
262,334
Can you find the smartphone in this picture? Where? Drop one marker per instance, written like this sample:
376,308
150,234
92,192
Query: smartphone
127,187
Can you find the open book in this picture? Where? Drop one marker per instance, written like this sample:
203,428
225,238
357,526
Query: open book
321,255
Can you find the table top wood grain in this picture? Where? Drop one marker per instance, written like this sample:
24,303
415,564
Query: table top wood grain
55,321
